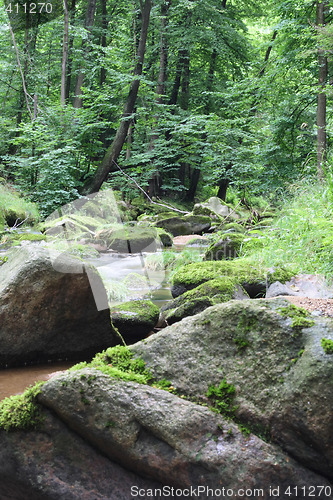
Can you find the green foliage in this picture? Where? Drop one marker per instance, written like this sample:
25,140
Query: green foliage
22,411
302,235
327,345
222,398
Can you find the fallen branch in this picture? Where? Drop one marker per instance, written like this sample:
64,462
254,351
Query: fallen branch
146,194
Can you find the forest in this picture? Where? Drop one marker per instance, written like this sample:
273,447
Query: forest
194,98
166,249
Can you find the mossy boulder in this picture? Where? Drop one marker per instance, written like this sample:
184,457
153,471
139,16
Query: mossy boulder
188,224
165,237
227,246
197,300
135,319
254,279
276,363
133,240
215,208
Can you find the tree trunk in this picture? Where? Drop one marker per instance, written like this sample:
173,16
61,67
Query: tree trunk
91,7
155,181
103,39
70,50
223,186
64,55
193,184
321,100
111,156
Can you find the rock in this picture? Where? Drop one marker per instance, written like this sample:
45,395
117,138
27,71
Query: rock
253,279
46,314
135,319
160,436
133,240
165,237
226,247
304,285
271,352
182,241
188,224
55,463
197,300
215,207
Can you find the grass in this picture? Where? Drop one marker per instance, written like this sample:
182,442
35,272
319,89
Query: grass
302,235
170,260
12,204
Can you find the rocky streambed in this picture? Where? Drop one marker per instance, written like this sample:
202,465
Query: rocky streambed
231,399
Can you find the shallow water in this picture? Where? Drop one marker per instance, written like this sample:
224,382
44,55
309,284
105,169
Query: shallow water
16,380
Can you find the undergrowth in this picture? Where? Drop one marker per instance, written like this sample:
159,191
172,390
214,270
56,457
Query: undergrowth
302,235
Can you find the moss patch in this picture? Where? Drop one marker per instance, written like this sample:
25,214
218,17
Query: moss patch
222,398
22,411
298,315
327,345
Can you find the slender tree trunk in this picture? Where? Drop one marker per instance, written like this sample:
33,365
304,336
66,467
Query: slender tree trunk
70,51
103,39
91,7
111,156
64,55
321,100
155,181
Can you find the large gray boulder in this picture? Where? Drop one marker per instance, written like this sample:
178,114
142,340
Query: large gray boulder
160,436
54,463
48,314
271,352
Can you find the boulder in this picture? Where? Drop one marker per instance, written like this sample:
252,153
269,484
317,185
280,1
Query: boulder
215,207
254,279
160,436
48,314
135,319
197,300
226,247
55,463
271,352
133,240
188,224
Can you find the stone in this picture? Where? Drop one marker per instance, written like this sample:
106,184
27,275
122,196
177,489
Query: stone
226,247
197,300
134,240
271,352
214,206
135,319
54,462
48,314
160,436
188,224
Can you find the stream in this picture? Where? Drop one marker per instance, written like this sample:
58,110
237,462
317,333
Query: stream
113,267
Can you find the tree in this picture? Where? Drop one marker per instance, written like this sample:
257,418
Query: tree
321,7
114,150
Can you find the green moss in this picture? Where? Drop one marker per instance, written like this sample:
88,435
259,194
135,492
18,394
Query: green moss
222,398
299,316
193,275
3,259
327,345
233,227
118,362
139,309
22,411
